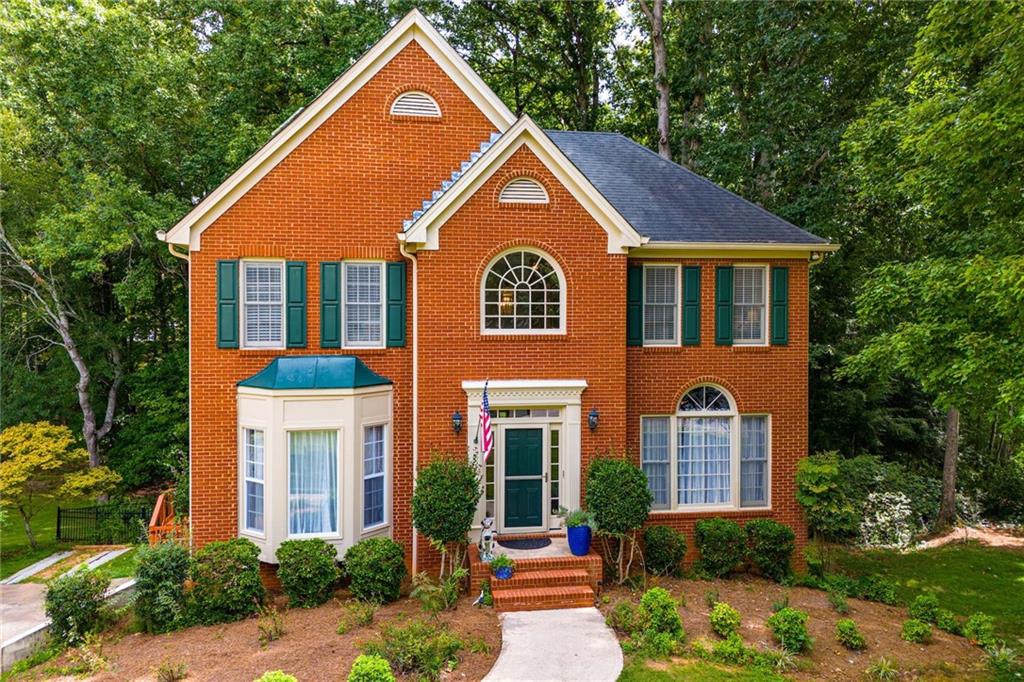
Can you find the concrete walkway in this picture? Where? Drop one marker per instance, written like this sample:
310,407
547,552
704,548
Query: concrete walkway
565,645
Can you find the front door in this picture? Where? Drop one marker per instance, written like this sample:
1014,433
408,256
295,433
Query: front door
524,478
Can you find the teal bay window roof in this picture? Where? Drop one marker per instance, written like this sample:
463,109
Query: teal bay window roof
309,372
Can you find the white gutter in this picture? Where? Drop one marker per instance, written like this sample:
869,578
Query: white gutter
415,390
737,246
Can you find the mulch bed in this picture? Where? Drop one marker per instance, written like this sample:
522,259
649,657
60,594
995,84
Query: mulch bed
310,649
946,656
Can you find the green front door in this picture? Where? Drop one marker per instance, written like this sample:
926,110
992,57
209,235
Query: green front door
524,478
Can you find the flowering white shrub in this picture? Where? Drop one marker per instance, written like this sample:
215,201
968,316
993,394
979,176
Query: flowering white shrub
887,521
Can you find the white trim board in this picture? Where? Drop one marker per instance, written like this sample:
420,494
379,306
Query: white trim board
413,27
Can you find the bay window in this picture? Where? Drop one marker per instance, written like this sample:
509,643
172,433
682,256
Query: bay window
254,449
373,476
313,482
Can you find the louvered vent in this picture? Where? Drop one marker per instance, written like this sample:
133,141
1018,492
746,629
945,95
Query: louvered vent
415,104
523,191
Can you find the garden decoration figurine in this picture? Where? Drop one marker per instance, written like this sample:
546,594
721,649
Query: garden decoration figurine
486,543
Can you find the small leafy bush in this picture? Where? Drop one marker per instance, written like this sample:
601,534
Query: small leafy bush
356,614
916,631
160,586
623,617
789,627
436,597
654,628
725,620
661,612
73,604
308,570
370,669
417,648
270,625
838,601
848,634
946,621
722,545
876,588
731,650
664,549
925,608
771,547
169,671
980,630
375,567
275,676
617,495
226,582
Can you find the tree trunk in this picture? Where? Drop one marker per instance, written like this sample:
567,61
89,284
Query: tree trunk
655,16
28,528
947,509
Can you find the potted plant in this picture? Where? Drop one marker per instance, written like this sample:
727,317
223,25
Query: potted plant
578,530
502,567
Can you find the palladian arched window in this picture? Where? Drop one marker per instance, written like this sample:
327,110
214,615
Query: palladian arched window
523,292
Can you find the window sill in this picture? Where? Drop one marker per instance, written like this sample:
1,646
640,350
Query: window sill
375,530
505,336
253,534
712,511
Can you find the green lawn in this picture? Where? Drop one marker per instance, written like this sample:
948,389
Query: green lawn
698,671
15,552
966,577
121,567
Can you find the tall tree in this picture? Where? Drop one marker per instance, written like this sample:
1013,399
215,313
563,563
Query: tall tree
654,11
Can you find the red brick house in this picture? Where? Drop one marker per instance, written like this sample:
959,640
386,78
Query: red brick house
404,238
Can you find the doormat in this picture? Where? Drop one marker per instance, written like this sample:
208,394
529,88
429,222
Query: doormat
527,543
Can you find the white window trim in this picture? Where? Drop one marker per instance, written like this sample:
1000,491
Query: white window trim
734,458
337,482
678,307
383,475
262,345
765,306
383,304
563,297
244,478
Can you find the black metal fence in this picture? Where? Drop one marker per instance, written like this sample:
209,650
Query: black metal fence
106,524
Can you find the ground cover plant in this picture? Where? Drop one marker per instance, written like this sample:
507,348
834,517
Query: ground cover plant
725,620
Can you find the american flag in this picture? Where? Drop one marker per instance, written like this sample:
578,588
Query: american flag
487,436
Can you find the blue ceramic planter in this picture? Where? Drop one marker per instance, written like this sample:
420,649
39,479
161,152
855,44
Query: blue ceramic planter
579,539
503,572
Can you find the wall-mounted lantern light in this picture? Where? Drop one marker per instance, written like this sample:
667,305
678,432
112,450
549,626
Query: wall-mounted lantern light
592,418
456,422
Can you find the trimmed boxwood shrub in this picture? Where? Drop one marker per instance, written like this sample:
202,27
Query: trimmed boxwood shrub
375,567
664,550
848,634
771,546
444,502
721,544
308,570
925,608
160,586
725,620
73,603
368,668
789,627
226,582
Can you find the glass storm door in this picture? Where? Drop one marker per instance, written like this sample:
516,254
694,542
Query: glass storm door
524,478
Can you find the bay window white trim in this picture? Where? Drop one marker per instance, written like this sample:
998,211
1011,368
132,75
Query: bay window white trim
246,478
383,474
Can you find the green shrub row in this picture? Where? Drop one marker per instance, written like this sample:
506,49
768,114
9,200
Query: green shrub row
724,547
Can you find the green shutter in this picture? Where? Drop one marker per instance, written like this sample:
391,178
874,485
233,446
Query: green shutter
723,305
780,306
330,305
635,305
691,305
295,304
396,304
227,304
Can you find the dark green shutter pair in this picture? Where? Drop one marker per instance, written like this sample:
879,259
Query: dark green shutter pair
330,304
228,304
779,309
635,305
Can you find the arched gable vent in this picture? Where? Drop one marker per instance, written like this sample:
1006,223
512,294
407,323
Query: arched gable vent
523,191
415,103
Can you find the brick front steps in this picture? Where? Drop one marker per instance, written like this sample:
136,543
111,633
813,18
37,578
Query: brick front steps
558,582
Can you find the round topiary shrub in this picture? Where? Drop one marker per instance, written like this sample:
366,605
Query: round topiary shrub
73,603
160,586
619,500
721,544
308,570
226,582
664,550
848,634
725,620
444,503
789,627
771,546
375,567
370,668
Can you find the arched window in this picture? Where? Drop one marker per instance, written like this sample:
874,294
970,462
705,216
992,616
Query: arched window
523,292
415,103
706,454
523,191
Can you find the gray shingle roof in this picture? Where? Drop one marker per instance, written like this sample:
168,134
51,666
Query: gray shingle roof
666,202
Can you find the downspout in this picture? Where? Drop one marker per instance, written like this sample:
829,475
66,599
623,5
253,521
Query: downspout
415,390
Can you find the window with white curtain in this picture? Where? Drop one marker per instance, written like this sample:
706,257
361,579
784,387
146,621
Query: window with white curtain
313,482
254,450
374,464
749,305
706,455
364,304
661,305
263,304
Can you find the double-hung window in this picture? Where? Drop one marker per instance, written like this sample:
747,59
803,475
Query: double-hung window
364,304
661,305
753,461
749,314
374,464
313,482
253,449
263,304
